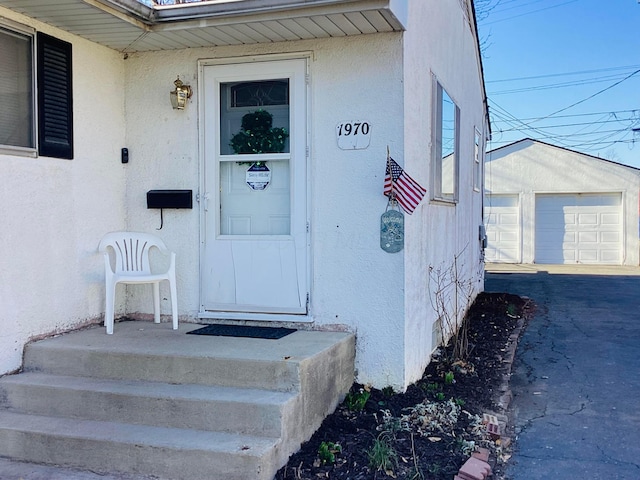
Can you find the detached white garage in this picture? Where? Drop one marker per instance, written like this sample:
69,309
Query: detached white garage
546,204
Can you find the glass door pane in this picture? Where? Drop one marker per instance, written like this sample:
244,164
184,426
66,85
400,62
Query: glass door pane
254,191
254,117
255,201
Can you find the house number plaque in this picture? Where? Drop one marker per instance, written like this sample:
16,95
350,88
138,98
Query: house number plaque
353,135
392,231
258,176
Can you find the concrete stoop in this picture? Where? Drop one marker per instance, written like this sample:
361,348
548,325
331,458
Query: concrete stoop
149,400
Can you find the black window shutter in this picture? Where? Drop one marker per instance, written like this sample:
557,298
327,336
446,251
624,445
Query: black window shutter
55,98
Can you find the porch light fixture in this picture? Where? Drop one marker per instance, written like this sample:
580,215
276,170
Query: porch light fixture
180,95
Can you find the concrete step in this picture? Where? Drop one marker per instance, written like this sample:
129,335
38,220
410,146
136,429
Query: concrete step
164,355
155,352
108,447
201,407
149,400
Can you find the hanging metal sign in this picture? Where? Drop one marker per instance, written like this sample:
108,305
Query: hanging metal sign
392,231
258,176
353,135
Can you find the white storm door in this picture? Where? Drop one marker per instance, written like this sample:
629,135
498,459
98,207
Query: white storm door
255,214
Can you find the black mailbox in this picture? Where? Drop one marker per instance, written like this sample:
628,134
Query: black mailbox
170,199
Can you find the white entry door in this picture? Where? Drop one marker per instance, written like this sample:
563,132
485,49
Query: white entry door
255,239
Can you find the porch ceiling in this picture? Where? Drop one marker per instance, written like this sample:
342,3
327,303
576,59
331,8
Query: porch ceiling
128,26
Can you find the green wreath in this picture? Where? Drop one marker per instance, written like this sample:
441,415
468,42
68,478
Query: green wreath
257,135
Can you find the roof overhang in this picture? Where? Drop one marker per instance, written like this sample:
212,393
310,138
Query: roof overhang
129,26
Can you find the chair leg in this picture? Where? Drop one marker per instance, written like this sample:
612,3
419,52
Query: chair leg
156,302
110,296
174,303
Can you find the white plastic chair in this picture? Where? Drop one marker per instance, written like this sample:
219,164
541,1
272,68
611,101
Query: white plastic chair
131,251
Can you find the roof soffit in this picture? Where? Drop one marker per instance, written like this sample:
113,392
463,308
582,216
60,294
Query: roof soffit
128,26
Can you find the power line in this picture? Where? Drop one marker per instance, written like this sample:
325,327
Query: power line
578,72
528,13
552,86
587,132
634,111
590,96
564,125
590,138
500,10
515,125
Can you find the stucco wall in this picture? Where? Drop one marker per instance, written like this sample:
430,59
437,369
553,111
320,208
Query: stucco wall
54,211
441,237
354,284
529,168
124,102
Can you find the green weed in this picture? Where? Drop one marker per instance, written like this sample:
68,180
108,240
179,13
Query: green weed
382,454
449,378
356,401
433,387
388,391
327,452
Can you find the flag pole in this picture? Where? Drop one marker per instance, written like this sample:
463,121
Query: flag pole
392,193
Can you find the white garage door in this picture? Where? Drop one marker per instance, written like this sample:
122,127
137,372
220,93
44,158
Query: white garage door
579,228
502,218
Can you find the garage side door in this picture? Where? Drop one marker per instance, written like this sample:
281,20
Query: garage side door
502,217
579,228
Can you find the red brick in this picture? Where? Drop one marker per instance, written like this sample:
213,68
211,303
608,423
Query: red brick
489,418
493,429
481,454
474,469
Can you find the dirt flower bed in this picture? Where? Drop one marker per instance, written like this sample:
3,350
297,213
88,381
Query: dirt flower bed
429,431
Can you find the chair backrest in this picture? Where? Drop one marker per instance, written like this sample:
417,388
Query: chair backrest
131,250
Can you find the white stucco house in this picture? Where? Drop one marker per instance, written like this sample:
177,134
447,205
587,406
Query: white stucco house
550,205
81,80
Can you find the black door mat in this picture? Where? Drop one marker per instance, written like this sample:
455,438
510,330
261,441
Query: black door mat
269,333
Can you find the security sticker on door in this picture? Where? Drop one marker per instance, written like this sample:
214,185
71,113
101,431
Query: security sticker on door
258,176
353,135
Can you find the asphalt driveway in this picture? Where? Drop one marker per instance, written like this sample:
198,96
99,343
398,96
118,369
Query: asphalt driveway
576,376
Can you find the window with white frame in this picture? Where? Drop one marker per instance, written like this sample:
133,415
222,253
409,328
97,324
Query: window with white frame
35,124
446,146
16,89
477,165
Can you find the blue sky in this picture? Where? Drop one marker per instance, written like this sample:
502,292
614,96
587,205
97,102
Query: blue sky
566,72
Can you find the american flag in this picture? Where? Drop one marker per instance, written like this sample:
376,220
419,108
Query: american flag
405,189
